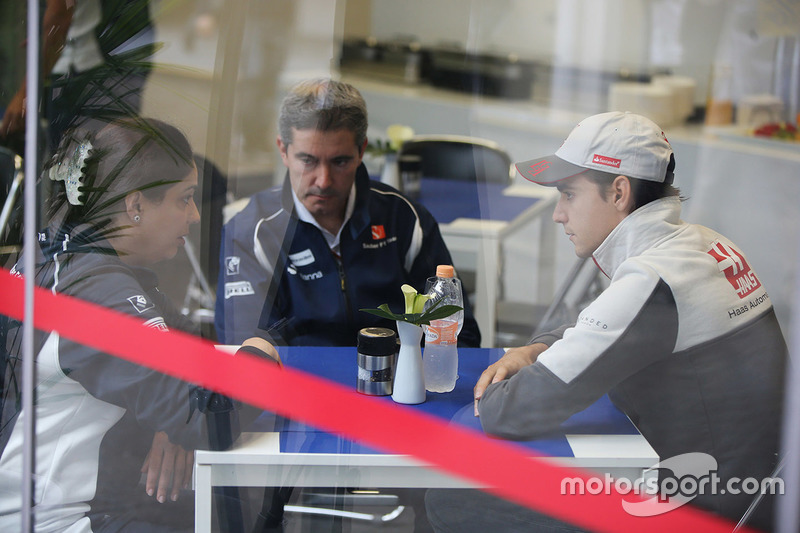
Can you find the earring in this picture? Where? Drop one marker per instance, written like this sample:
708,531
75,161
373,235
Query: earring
137,218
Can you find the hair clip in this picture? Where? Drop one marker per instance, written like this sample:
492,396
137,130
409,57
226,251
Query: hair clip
71,171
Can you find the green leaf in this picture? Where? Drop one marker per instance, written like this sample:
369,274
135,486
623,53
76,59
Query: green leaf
436,312
383,312
441,312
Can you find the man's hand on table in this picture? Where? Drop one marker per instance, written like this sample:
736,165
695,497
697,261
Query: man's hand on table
168,467
512,362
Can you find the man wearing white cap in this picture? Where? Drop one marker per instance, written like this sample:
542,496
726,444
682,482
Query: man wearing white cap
684,340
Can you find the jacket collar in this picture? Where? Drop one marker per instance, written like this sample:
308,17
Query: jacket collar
638,232
360,217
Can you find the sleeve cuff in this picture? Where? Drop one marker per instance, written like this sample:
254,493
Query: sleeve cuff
549,337
257,352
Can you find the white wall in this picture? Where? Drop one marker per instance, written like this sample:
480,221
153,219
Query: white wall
507,26
566,31
684,36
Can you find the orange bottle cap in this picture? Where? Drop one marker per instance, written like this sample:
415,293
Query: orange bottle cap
445,271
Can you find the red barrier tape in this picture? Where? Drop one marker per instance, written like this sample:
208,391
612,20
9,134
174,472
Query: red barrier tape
504,468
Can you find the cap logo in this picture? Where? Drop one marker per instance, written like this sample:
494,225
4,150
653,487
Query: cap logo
538,168
607,161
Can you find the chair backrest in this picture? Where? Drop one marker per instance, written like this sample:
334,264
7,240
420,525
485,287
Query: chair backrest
460,158
582,284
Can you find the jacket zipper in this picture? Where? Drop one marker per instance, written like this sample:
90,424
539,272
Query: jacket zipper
343,286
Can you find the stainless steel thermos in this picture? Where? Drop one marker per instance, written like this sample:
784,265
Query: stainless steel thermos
377,351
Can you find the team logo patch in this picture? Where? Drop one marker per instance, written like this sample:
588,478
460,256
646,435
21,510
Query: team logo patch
306,257
238,288
157,323
736,270
232,265
141,303
607,161
378,233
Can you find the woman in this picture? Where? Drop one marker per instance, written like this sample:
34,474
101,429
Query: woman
123,200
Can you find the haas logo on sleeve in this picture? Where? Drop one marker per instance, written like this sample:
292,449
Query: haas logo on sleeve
736,270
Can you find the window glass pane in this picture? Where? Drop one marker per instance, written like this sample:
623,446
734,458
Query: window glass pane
164,164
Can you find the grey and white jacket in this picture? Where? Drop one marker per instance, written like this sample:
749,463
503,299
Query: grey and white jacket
684,340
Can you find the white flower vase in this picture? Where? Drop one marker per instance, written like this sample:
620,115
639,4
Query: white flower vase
409,382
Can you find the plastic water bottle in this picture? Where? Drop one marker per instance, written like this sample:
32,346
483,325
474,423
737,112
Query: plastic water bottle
440,357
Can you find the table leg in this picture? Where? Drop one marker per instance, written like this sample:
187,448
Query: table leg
486,284
202,498
547,261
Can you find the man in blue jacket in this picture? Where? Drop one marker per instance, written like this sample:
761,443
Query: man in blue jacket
307,255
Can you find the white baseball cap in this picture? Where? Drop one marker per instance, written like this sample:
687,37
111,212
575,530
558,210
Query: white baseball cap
619,143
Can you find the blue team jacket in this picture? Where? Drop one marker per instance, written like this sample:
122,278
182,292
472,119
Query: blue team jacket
278,273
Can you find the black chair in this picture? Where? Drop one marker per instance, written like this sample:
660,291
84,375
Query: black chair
518,322
583,283
464,158
460,157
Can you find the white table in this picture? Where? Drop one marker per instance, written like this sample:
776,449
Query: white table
306,457
256,461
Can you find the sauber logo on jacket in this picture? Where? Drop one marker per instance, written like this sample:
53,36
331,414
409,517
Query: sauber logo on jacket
735,268
378,233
